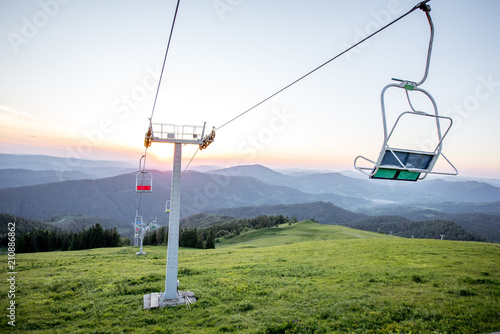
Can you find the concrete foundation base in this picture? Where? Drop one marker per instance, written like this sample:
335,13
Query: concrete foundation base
154,300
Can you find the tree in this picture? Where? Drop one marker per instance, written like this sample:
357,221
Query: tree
152,240
125,241
96,237
66,242
199,242
161,235
210,240
75,243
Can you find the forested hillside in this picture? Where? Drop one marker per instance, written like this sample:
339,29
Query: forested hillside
22,224
24,177
46,241
76,223
327,213
203,235
35,236
322,212
430,229
331,198
481,218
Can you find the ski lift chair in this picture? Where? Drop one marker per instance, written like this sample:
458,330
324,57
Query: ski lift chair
396,163
143,179
144,182
138,220
406,164
167,206
154,224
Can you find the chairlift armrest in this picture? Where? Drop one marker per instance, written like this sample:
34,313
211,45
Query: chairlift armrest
363,169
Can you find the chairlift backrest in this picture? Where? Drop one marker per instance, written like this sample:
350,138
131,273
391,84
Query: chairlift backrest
407,159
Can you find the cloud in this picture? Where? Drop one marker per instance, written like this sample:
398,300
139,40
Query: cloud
6,109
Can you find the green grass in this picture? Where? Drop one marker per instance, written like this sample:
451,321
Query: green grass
292,234
304,278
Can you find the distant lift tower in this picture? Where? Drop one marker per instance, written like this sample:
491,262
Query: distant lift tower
178,135
140,230
137,229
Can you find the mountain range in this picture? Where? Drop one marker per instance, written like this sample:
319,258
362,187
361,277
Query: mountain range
116,197
32,194
23,169
377,191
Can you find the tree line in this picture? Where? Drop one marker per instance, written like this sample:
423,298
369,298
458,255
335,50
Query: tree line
236,226
192,238
37,240
205,238
429,229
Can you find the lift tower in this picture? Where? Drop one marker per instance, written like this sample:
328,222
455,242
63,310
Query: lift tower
178,135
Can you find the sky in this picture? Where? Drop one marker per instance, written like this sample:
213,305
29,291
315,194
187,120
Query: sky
79,77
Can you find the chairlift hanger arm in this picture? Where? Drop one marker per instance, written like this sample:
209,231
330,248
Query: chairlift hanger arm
426,8
148,138
208,139
142,163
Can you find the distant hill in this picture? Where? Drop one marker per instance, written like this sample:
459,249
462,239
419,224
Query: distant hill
468,191
348,192
430,229
61,169
419,211
473,217
115,200
466,227
317,183
429,191
104,197
25,177
202,220
322,212
22,225
76,223
258,172
115,197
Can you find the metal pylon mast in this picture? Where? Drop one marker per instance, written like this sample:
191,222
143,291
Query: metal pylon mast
178,135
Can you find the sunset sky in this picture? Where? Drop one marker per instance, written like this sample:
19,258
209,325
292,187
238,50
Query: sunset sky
78,78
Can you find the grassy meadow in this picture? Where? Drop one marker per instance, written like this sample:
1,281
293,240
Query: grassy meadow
303,278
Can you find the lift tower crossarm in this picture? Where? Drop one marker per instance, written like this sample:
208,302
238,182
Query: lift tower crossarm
176,134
